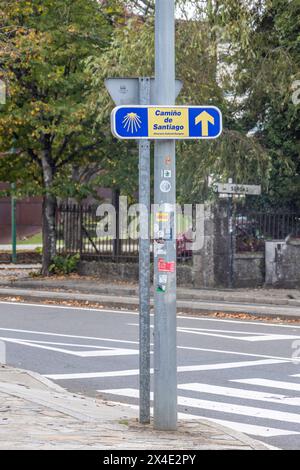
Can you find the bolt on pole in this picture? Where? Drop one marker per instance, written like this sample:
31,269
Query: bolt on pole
165,361
144,262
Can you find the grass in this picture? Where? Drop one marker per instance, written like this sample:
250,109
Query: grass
125,422
34,240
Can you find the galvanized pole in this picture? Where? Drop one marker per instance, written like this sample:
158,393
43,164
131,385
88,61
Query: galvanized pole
144,262
13,225
230,227
165,363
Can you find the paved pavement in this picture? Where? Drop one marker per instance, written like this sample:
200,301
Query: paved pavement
239,374
10,272
36,414
32,247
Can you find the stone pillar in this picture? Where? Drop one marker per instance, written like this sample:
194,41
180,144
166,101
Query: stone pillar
221,244
203,258
283,263
211,262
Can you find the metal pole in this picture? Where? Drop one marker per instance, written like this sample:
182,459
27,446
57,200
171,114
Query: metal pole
229,203
144,262
13,225
165,363
230,220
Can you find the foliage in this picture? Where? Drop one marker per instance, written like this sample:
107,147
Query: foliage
264,58
47,118
131,53
47,127
64,264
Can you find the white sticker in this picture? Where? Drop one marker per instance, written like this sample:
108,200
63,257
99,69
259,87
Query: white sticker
165,186
156,230
159,249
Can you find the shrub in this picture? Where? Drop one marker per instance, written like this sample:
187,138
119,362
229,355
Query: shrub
64,264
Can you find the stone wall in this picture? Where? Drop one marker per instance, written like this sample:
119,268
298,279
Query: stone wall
278,267
249,269
283,263
128,271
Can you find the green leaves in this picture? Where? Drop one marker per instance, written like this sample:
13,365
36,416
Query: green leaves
43,45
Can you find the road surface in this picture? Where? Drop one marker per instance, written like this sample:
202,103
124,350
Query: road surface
242,374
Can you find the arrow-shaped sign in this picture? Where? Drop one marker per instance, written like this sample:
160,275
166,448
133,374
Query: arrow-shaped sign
204,118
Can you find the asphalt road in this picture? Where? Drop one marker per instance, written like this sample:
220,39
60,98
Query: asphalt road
242,374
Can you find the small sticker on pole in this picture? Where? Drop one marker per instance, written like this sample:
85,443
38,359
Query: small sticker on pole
165,266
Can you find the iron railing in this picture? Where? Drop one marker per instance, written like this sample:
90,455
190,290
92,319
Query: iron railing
76,232
253,228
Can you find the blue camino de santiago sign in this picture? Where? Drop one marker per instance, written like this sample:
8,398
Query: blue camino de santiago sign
166,122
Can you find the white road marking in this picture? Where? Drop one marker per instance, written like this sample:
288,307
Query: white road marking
229,365
130,312
222,407
111,340
256,336
61,335
295,375
241,393
132,372
220,351
267,337
98,353
252,429
54,343
94,375
238,353
241,322
269,383
109,352
67,307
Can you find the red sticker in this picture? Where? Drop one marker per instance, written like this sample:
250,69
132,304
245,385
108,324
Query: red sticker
164,266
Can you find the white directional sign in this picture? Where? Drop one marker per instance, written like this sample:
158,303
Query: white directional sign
125,91
232,188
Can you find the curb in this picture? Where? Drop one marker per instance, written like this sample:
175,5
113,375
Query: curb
198,306
249,441
183,294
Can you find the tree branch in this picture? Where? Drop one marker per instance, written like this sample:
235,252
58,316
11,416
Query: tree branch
34,157
64,144
85,148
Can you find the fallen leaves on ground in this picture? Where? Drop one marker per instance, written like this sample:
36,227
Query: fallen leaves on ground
98,306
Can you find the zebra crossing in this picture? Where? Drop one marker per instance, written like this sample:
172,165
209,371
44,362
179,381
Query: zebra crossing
259,412
240,374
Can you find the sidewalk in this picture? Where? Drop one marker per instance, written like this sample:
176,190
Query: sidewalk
269,302
37,414
23,247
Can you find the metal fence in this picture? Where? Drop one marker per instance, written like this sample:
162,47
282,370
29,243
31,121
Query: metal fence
76,227
253,228
76,232
28,219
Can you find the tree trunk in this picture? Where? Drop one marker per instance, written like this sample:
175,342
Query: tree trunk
49,232
49,210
